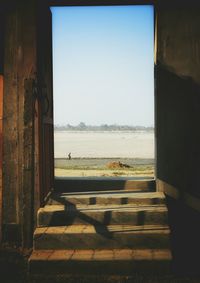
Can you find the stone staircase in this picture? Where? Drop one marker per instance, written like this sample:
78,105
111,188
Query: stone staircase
110,233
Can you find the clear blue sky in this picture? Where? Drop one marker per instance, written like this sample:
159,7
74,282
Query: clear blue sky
103,65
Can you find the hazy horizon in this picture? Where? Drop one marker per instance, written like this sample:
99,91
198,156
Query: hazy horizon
99,125
103,65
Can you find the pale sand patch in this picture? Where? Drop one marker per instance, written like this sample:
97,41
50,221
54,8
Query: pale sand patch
101,173
110,144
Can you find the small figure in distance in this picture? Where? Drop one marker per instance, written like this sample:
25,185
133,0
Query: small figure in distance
69,156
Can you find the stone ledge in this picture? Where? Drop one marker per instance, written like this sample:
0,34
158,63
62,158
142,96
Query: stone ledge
116,261
100,236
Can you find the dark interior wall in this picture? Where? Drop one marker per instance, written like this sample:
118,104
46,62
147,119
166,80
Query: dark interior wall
10,134
45,97
18,145
178,134
178,97
1,39
1,108
28,117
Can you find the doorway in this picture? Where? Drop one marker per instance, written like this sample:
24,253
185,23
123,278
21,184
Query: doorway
103,74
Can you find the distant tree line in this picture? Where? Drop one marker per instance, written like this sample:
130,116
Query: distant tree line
83,127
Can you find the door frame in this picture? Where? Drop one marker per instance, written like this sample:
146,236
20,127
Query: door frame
65,3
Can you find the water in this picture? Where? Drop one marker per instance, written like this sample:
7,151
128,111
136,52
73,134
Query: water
87,144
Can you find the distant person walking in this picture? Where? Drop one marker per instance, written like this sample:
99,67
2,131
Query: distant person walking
69,156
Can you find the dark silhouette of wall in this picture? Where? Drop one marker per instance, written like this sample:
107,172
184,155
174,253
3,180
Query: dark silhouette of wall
178,135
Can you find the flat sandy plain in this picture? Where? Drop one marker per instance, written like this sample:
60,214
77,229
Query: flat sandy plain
89,167
92,151
112,144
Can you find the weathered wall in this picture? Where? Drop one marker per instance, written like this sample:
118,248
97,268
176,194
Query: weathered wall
45,80
1,111
28,117
178,135
18,166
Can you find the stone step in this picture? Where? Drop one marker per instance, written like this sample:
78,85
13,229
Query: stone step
102,237
99,262
87,184
60,215
107,198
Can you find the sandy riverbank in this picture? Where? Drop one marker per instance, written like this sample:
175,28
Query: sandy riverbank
102,173
85,167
